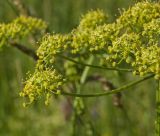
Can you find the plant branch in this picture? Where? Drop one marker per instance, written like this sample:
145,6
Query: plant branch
25,50
94,66
114,91
19,7
13,7
107,86
86,70
32,54
79,110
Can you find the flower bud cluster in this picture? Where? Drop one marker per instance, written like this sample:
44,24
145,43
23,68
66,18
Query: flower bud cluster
123,48
139,44
50,45
92,40
131,49
93,19
147,61
151,32
19,28
92,25
141,13
41,83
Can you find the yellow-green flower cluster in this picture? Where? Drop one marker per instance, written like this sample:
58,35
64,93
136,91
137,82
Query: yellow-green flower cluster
147,61
83,38
131,49
132,39
139,44
123,48
93,40
19,28
134,18
50,45
80,38
41,83
151,32
93,19
44,79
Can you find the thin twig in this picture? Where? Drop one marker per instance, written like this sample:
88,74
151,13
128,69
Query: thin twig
94,66
123,88
107,86
19,6
25,50
13,7
32,54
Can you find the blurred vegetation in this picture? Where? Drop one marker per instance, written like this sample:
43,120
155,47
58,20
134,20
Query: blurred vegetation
136,118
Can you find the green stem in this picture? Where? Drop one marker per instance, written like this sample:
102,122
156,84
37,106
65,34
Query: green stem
79,107
13,8
86,70
94,66
25,50
158,108
19,6
123,88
